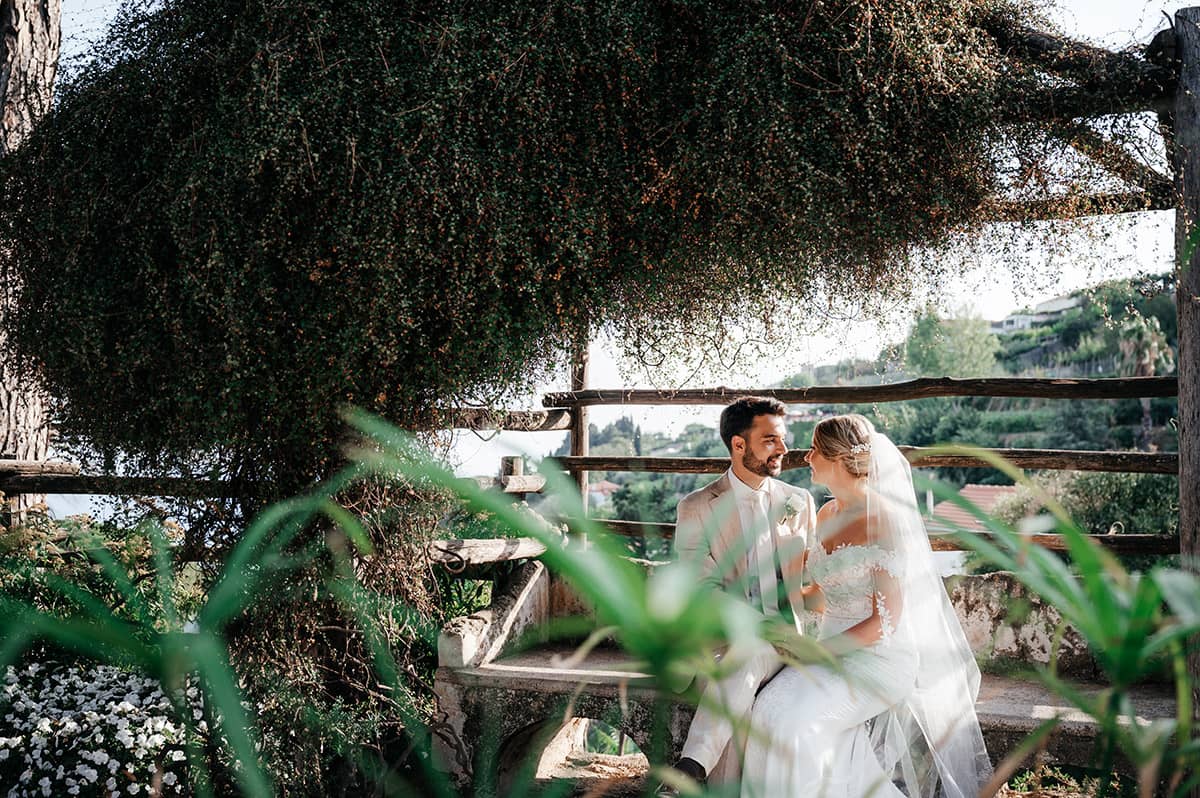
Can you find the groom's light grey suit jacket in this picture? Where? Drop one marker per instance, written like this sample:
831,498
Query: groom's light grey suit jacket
708,531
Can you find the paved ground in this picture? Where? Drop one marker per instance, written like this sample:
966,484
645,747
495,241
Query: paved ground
605,776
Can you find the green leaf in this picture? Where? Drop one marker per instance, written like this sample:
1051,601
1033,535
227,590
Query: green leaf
350,525
1181,591
212,663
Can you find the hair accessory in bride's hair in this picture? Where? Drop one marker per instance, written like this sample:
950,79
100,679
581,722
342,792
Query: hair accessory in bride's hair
860,448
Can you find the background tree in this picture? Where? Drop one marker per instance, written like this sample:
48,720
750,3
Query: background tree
30,36
1145,353
950,347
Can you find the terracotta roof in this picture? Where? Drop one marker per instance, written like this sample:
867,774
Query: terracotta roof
984,497
604,487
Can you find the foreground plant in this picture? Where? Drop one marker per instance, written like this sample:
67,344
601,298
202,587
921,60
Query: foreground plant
1133,623
666,621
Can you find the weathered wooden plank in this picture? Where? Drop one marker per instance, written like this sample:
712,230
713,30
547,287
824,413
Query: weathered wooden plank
120,486
482,418
13,468
81,484
457,555
1116,158
924,388
580,434
1054,459
1118,544
514,483
1104,74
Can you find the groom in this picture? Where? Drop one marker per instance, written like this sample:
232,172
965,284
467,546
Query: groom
745,532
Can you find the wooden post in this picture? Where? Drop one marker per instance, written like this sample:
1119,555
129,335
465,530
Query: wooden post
1187,225
579,418
513,467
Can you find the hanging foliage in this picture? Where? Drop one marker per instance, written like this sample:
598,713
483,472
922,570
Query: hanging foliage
242,216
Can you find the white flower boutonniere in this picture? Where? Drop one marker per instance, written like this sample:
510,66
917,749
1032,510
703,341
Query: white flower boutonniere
794,506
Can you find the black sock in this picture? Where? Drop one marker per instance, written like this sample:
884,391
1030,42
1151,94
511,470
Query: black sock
692,768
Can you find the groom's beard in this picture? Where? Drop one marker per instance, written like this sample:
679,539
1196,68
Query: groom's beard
771,467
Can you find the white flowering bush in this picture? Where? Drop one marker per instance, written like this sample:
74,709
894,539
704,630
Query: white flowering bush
90,731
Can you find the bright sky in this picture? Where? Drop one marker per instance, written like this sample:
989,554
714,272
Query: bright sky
1137,244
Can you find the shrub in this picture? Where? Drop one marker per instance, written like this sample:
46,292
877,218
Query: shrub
1098,502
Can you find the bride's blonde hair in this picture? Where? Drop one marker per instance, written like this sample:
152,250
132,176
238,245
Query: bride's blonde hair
846,439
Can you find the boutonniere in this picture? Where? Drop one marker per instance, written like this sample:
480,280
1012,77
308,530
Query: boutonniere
794,506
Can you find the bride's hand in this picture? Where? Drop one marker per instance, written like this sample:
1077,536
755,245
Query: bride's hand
814,598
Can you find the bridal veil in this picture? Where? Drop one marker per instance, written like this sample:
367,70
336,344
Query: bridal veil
934,732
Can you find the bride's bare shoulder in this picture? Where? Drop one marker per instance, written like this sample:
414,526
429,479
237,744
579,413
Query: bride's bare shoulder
838,528
827,510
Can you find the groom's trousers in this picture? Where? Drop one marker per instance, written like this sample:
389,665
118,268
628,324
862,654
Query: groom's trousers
725,704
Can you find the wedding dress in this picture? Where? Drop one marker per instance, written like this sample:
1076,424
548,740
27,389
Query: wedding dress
897,718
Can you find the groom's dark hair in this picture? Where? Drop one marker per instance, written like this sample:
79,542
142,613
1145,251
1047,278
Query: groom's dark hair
739,416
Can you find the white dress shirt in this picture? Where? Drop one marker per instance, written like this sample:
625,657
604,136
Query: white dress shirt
754,513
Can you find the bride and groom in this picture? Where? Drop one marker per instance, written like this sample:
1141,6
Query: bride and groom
897,716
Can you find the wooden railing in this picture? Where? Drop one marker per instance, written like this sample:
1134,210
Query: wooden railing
576,403
568,411
1118,544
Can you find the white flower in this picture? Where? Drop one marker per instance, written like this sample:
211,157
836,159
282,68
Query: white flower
134,788
111,783
169,779
795,505
178,756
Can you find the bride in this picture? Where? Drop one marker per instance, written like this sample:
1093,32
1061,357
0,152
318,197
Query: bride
900,711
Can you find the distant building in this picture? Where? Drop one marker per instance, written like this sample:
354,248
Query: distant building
601,492
1043,313
1012,323
949,517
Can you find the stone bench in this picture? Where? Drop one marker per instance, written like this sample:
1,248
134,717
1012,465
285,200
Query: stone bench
503,692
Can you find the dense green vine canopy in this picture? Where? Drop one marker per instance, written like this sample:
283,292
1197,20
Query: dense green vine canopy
245,214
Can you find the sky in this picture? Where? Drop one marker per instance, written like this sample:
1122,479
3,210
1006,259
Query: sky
992,288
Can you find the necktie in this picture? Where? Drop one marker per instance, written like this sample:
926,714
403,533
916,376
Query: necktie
763,561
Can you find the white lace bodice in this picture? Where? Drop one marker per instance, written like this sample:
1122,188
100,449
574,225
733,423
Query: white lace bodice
847,578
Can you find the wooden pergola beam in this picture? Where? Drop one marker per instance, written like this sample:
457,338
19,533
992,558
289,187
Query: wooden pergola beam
1095,70
1186,156
1076,207
924,388
57,479
1116,159
483,419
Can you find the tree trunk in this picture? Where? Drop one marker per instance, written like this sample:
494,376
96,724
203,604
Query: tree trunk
30,36
1187,222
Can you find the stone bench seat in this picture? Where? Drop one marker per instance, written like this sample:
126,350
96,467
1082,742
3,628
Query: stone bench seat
504,693
532,686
